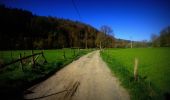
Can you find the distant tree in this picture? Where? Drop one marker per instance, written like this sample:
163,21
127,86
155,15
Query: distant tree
155,40
29,31
106,30
165,37
86,37
38,44
99,39
144,43
122,44
110,41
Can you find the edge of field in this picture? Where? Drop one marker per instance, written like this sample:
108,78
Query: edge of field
139,90
14,89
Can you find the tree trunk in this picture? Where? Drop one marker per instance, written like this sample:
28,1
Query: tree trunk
100,45
86,43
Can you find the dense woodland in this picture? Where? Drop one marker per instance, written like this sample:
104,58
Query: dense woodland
163,39
20,29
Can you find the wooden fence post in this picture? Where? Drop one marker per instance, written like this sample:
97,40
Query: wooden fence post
20,57
74,52
64,54
78,50
33,60
44,56
11,56
136,70
24,54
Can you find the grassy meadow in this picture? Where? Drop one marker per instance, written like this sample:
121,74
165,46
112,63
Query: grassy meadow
22,78
153,70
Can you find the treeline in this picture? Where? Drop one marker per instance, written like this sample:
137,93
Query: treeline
163,39
20,29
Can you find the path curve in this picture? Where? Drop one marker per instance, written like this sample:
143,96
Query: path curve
87,78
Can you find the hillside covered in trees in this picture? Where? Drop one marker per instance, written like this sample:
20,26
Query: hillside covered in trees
20,29
163,39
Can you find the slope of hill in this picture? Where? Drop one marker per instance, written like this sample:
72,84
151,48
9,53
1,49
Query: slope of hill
20,29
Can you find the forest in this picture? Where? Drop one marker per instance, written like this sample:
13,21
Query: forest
21,29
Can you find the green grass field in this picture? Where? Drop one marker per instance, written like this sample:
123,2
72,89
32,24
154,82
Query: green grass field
154,71
51,55
20,79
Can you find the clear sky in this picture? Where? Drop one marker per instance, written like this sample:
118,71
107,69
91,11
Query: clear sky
129,19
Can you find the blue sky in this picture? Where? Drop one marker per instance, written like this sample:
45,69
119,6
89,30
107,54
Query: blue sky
137,19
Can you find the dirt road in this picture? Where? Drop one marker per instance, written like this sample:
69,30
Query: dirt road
87,78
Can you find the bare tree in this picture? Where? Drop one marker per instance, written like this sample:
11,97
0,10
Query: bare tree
99,39
107,30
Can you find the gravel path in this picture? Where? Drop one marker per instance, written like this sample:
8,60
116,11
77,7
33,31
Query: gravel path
87,78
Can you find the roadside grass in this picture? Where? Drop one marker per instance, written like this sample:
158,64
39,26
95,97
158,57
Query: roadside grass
13,78
154,71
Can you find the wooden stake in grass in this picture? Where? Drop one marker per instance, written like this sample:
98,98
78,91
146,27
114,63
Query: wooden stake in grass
44,56
64,54
78,51
136,69
33,59
20,57
74,52
11,56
